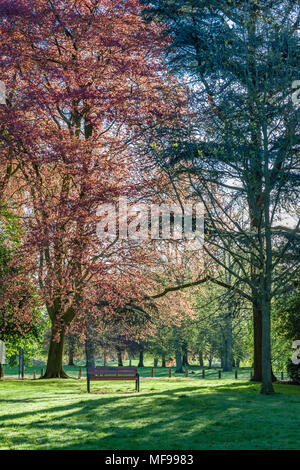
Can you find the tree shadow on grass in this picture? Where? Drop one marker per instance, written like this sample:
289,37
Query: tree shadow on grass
178,418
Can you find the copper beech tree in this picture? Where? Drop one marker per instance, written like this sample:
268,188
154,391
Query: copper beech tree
79,75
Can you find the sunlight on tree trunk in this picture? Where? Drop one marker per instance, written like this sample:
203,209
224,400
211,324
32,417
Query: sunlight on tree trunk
55,358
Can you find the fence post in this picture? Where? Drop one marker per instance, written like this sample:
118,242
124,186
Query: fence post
203,373
236,374
186,372
152,372
170,372
79,373
282,375
220,374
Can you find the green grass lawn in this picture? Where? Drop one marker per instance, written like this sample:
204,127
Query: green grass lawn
166,414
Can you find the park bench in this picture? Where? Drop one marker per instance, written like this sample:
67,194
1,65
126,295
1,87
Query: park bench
113,373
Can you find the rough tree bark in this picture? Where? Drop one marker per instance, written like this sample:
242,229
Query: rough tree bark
178,357
227,366
200,356
258,202
59,323
141,358
185,359
90,353
54,368
119,355
71,341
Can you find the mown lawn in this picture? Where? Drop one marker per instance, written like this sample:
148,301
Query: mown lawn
166,414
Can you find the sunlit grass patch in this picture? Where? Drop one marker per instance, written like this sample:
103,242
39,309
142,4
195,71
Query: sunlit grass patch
204,414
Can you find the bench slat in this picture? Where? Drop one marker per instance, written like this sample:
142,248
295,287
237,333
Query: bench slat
98,370
112,373
103,377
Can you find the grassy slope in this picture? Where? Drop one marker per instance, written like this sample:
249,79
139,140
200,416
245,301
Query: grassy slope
177,414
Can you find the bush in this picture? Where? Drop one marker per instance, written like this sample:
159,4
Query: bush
293,371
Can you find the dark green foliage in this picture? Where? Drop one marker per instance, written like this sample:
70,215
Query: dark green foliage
21,318
240,147
294,372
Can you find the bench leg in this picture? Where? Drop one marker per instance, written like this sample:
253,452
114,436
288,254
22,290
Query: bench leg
88,384
138,383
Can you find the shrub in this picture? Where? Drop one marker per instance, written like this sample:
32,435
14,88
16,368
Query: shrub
293,371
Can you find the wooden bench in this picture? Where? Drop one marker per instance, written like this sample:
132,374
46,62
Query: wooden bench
113,373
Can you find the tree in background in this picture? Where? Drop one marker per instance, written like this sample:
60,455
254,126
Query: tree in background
242,147
84,76
21,317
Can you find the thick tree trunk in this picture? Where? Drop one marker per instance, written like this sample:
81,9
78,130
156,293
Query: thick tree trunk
141,358
178,349
119,354
71,342
228,343
210,361
54,368
267,386
227,366
1,371
178,358
90,353
259,210
266,282
227,348
71,357
163,360
200,356
185,359
257,360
